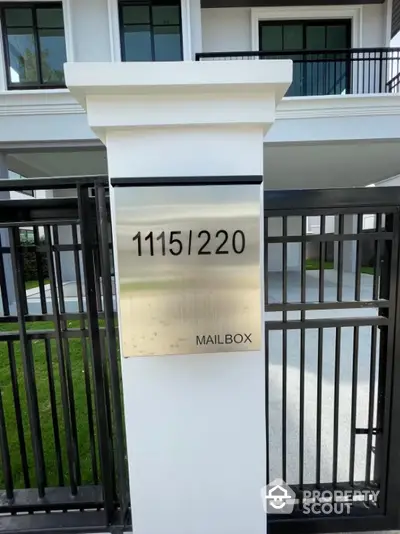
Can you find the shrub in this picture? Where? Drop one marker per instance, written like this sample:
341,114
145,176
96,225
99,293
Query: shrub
29,259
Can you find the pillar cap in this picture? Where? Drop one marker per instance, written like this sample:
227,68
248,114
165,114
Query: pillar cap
128,95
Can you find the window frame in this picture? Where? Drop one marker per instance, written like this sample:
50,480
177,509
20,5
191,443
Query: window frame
304,23
15,86
149,3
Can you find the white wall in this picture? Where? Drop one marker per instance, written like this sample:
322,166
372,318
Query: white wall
226,29
374,25
229,29
88,30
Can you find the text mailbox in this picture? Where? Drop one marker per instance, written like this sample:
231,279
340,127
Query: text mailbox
188,265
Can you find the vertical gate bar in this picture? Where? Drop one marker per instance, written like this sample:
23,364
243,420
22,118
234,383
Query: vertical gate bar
86,229
3,283
14,377
354,390
388,287
61,362
377,263
357,286
39,268
5,453
266,281
20,260
338,336
319,406
67,356
371,401
49,362
302,350
322,252
340,260
387,456
284,349
54,414
18,413
267,398
97,274
112,352
28,366
85,356
266,345
106,388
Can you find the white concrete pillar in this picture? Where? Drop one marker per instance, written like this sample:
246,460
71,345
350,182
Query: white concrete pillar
349,247
4,195
195,424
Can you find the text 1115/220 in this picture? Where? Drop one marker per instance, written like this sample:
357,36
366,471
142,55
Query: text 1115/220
192,242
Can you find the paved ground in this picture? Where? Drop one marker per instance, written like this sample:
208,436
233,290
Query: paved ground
293,383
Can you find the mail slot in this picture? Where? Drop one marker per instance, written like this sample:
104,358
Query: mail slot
188,264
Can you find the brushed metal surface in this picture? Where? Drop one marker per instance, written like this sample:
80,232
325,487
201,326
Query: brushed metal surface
190,296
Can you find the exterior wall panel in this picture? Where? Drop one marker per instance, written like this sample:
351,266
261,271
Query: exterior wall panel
89,30
229,29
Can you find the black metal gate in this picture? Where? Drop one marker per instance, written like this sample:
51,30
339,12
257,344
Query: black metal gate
62,446
333,356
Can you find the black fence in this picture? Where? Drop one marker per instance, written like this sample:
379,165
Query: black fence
62,443
332,72
332,366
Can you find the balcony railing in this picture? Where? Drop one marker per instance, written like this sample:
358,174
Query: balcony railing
332,72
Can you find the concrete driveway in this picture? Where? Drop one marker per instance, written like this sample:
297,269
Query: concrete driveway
328,370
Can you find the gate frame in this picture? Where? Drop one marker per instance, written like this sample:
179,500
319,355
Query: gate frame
294,203
107,503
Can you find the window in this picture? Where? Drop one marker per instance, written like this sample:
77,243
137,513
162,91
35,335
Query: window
151,30
325,69
34,43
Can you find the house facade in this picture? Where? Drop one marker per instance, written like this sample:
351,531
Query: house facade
337,126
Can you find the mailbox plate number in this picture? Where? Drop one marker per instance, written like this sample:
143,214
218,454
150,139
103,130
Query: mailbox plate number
188,269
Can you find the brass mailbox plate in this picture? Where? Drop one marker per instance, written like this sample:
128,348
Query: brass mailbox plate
189,268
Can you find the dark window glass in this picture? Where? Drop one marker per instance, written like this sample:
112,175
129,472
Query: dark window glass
271,38
151,30
50,18
138,43
16,16
293,37
35,45
136,14
319,73
167,43
166,15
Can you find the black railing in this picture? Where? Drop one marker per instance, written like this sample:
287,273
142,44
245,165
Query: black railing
332,72
62,444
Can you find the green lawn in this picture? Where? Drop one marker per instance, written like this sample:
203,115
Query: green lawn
41,374
313,265
30,284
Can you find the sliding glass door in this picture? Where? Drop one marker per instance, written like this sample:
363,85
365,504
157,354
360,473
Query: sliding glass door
319,50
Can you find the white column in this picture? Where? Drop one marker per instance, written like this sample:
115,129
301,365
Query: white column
4,195
349,247
195,424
